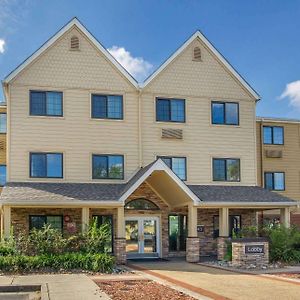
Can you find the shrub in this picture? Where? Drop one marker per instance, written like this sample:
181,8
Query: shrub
228,255
284,243
67,261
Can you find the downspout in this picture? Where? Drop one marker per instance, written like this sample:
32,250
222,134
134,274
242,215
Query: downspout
140,128
262,163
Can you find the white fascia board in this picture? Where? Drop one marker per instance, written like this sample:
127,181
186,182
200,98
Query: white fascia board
53,39
227,65
78,204
159,165
248,204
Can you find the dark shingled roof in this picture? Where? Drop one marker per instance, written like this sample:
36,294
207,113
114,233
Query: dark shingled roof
60,192
217,193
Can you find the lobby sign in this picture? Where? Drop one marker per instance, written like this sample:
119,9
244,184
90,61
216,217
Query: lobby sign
254,249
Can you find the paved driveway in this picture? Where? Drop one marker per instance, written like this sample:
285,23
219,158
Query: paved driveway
220,284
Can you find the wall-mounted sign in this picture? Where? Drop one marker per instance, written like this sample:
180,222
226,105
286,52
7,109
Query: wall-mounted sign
200,228
254,249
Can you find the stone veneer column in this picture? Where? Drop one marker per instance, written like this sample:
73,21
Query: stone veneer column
120,250
192,249
222,247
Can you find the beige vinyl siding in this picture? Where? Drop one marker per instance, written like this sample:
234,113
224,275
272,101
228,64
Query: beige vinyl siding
77,74
200,83
289,163
201,140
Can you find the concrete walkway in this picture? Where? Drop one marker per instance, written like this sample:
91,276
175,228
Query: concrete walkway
221,284
60,286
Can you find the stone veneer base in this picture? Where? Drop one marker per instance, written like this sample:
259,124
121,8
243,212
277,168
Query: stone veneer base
192,249
120,250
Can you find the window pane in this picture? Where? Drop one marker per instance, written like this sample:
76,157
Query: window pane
235,224
218,113
269,181
115,167
278,135
173,232
167,161
115,107
219,169
177,110
2,123
37,222
233,170
38,103
232,114
54,103
216,226
278,181
141,204
99,109
38,165
54,165
2,175
55,222
267,135
100,166
178,167
163,110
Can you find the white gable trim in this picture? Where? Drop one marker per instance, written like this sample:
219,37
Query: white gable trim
159,165
52,40
222,59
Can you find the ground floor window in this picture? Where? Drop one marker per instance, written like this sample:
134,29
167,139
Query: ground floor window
38,221
177,232
106,219
235,225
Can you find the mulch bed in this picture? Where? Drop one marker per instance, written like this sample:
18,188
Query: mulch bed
140,289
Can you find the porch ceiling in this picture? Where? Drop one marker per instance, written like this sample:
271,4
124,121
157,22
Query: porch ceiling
168,189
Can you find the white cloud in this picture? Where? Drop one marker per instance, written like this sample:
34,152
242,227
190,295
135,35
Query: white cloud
292,93
2,44
136,66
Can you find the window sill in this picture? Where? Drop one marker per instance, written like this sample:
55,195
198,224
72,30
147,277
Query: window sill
106,120
225,125
47,117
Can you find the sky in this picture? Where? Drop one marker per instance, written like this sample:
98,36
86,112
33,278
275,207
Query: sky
260,38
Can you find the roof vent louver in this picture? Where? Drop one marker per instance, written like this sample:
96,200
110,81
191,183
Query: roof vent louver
74,45
197,54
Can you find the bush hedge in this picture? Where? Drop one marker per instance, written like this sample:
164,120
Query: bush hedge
68,261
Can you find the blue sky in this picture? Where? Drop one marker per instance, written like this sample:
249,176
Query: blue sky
260,38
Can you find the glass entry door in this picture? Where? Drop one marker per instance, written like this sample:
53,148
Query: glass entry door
142,237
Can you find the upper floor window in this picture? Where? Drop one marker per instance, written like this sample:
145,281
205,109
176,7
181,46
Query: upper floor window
176,164
46,165
46,103
108,166
2,122
226,169
225,113
107,107
275,181
273,135
2,175
170,110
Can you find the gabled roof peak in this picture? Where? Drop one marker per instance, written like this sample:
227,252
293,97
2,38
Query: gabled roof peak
73,22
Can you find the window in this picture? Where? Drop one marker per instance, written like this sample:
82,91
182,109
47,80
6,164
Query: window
2,175
2,123
108,221
176,164
177,232
225,113
37,222
107,107
108,166
46,104
226,169
46,165
170,110
273,135
275,181
235,225
141,204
